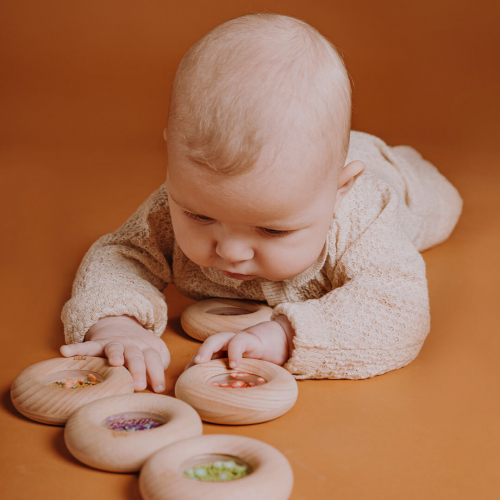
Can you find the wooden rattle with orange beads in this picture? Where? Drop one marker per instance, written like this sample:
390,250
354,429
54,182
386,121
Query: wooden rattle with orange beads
50,391
256,392
264,391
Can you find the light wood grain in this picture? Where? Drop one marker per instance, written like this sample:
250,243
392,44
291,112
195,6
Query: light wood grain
162,478
36,399
249,405
198,323
90,441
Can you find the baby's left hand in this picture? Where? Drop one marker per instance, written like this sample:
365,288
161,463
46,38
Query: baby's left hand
268,341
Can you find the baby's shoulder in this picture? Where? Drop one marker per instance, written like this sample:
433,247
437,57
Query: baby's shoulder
155,207
156,212
368,199
363,142
369,195
158,200
153,215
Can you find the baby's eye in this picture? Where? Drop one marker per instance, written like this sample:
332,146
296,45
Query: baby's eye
274,232
199,218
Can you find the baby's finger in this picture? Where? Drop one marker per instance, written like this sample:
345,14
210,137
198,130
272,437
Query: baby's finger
165,356
237,347
191,362
154,368
136,366
114,352
89,348
213,344
220,354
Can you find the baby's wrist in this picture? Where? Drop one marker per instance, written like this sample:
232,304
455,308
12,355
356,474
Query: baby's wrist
110,321
274,337
287,327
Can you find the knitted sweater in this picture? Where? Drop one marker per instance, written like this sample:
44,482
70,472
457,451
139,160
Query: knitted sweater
360,310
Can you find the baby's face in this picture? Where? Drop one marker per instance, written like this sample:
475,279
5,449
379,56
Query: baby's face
256,224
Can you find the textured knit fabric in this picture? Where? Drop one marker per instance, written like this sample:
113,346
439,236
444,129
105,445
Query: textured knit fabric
361,310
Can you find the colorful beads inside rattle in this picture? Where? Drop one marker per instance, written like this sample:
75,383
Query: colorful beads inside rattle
134,421
217,471
236,380
133,425
70,383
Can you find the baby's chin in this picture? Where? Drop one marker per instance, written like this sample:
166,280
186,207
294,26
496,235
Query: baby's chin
241,277
268,277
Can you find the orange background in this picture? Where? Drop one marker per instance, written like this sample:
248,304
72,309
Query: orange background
84,97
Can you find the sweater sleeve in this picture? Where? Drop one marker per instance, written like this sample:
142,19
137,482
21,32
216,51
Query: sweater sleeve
124,273
376,317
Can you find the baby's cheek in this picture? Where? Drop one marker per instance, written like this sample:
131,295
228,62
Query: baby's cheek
199,253
285,261
195,245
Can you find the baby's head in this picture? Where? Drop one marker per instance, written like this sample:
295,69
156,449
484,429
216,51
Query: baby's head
257,135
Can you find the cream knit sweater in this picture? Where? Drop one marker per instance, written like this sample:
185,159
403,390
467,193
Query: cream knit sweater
361,310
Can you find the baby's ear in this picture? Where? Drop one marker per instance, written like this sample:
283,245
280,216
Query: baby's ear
347,177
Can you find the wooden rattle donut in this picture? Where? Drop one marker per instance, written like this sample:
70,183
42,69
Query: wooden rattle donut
120,433
204,318
269,475
33,395
221,404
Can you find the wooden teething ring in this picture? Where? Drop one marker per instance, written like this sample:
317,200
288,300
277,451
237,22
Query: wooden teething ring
204,318
91,442
271,477
250,405
34,397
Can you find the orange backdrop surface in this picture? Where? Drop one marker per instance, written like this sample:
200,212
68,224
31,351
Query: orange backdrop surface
84,96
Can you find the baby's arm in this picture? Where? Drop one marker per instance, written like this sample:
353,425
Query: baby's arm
376,317
117,307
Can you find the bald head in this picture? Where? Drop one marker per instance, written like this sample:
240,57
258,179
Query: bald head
254,85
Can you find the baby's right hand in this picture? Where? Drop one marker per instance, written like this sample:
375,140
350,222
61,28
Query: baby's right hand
123,340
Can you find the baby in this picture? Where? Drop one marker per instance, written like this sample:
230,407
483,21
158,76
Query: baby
270,197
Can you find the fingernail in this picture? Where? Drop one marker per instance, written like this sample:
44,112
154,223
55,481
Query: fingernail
232,364
160,388
197,359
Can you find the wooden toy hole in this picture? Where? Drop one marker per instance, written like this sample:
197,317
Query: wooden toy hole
229,311
236,380
215,468
73,375
133,421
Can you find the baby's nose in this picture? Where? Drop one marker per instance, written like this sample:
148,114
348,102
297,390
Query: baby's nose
234,251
